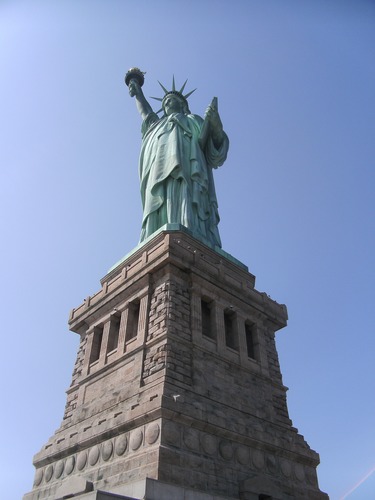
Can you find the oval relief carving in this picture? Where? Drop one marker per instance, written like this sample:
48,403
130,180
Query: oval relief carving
69,465
299,472
152,433
209,444
191,439
136,439
271,464
107,450
243,455
258,459
286,468
121,445
171,433
48,473
59,469
81,460
311,477
226,450
94,455
38,477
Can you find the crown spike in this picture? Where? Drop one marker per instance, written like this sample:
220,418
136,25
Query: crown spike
157,98
182,88
162,86
189,93
173,84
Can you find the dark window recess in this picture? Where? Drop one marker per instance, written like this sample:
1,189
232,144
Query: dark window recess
133,320
207,329
250,340
96,344
231,338
114,330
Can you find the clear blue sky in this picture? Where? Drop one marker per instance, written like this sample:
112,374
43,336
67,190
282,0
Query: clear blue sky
296,88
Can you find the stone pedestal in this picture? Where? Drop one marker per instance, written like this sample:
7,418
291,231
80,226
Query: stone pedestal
177,391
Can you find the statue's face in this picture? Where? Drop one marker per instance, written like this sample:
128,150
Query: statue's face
172,104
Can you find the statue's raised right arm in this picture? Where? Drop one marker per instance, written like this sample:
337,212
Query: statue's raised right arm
143,105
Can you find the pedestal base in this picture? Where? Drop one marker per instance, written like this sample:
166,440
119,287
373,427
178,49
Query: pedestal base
177,391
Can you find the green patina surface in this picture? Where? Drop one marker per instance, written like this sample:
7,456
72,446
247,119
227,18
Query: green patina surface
179,151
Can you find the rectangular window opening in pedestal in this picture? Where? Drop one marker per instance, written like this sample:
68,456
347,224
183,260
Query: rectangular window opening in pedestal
231,334
206,318
133,320
113,336
250,340
96,344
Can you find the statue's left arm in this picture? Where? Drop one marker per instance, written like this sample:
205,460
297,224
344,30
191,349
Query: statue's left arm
215,142
216,130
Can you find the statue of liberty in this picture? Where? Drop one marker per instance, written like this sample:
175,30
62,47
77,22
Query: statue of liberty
179,151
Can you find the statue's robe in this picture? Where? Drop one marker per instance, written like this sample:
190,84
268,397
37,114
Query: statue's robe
176,176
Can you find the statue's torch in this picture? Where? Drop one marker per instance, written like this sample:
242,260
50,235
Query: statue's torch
135,74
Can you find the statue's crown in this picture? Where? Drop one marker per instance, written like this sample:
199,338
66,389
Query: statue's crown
178,93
